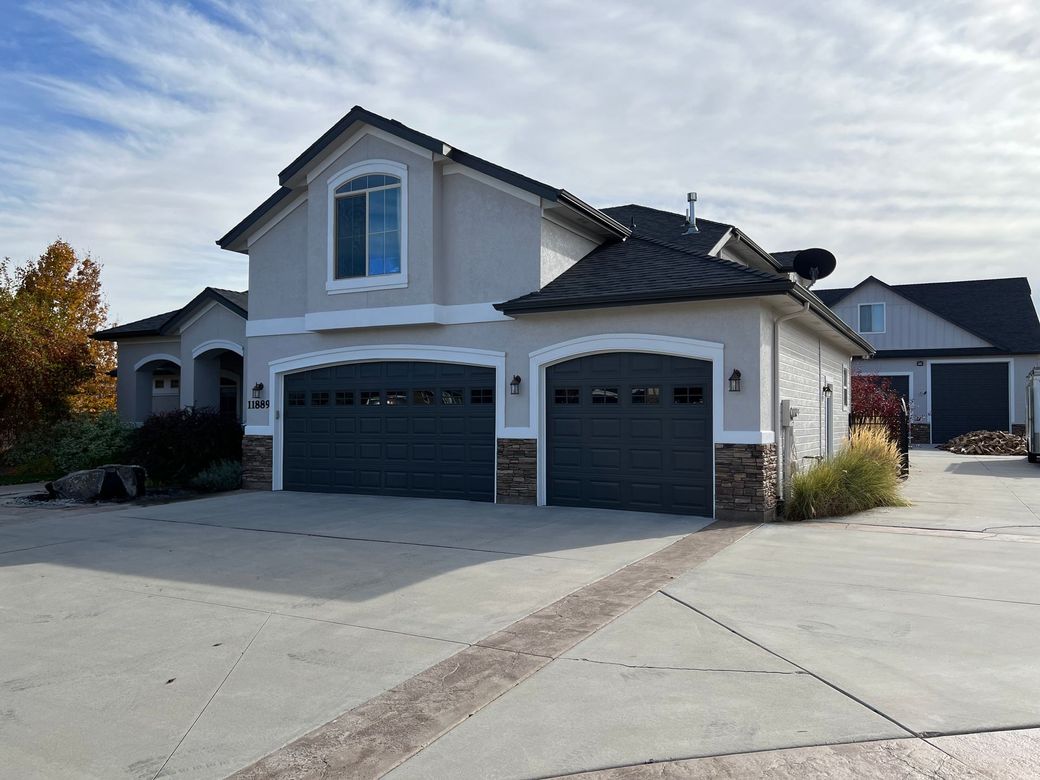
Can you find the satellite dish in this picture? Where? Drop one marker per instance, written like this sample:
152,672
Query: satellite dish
814,264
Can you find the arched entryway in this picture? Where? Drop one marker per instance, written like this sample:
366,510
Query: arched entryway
217,377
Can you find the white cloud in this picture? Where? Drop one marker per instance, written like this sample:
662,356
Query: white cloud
902,137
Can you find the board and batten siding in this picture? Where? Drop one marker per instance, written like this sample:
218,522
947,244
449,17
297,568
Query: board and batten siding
806,364
907,325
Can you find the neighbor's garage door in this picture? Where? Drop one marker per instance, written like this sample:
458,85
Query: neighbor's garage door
629,430
392,428
968,397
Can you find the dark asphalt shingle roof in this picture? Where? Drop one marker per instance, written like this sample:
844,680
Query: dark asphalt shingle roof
656,263
160,324
999,311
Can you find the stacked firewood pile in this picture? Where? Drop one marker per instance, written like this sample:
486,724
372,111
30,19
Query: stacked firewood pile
986,443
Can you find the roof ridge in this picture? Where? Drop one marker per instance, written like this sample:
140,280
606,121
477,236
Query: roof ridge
664,211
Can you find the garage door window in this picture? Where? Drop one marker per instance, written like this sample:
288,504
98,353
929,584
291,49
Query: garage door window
344,398
451,397
604,395
482,395
646,395
370,398
296,398
688,395
424,397
320,399
567,395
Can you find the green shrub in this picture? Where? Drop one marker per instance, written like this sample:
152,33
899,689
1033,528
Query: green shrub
863,475
176,446
82,442
218,476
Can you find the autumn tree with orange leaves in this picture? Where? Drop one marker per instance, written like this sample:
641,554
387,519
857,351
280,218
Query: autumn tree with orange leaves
49,366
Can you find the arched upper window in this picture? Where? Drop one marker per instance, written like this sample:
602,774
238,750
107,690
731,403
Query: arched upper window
367,227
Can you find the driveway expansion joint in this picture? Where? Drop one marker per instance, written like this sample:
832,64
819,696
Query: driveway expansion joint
384,732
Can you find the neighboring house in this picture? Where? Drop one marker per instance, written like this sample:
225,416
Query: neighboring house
189,357
423,322
959,351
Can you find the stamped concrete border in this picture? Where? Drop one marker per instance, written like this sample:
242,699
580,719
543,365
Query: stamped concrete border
374,737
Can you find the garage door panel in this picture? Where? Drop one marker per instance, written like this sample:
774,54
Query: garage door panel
630,430
968,397
401,428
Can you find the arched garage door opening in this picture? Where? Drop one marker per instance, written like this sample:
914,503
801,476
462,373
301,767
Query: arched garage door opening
630,430
401,428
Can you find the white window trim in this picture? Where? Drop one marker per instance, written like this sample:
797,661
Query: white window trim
389,352
846,387
334,286
859,318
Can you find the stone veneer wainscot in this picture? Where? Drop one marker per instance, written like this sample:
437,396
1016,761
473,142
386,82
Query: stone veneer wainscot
257,460
516,480
745,482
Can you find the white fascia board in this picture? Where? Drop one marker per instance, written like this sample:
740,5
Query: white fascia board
276,326
269,222
456,168
356,136
421,314
721,242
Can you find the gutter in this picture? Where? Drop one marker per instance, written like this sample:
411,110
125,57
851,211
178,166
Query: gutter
777,427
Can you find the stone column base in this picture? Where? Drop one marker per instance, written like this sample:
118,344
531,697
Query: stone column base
745,482
516,478
257,460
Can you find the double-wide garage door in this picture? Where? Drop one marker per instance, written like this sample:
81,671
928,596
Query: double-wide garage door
968,397
392,428
630,430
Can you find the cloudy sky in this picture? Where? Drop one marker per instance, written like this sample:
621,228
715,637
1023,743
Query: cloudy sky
903,136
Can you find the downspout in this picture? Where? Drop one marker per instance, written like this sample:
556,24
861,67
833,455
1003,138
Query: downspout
777,427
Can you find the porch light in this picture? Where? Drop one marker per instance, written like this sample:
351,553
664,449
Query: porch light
258,390
734,381
514,386
828,389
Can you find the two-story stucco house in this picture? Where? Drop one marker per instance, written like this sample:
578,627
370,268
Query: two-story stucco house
958,351
422,322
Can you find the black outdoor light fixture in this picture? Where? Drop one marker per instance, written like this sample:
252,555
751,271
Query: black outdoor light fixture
514,386
827,389
734,381
258,389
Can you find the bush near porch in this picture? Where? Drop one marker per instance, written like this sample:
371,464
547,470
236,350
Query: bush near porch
863,475
175,448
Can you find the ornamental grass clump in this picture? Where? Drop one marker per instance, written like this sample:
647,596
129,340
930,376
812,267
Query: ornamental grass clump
863,475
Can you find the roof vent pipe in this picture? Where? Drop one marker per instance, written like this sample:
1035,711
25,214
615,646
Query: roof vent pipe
691,215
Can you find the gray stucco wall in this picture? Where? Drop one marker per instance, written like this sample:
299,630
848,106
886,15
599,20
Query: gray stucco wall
561,248
128,353
734,323
278,273
907,325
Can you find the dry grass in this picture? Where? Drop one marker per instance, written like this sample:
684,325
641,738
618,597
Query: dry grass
863,475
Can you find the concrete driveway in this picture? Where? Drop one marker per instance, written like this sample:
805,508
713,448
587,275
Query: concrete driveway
356,637
191,639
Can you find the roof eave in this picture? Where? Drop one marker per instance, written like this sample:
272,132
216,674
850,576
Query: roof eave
804,295
669,296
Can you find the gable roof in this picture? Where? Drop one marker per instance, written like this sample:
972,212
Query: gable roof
166,323
999,311
358,115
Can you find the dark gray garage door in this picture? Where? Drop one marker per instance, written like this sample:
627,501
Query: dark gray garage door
968,397
392,428
629,430
901,384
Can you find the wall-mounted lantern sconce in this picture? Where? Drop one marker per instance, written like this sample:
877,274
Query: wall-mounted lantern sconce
258,389
920,362
734,381
828,389
514,386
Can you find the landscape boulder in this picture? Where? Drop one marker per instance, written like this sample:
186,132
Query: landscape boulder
112,482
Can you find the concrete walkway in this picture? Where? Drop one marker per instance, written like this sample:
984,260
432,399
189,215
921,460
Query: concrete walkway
802,635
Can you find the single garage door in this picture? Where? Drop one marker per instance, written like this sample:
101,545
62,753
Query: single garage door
629,430
968,397
391,428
